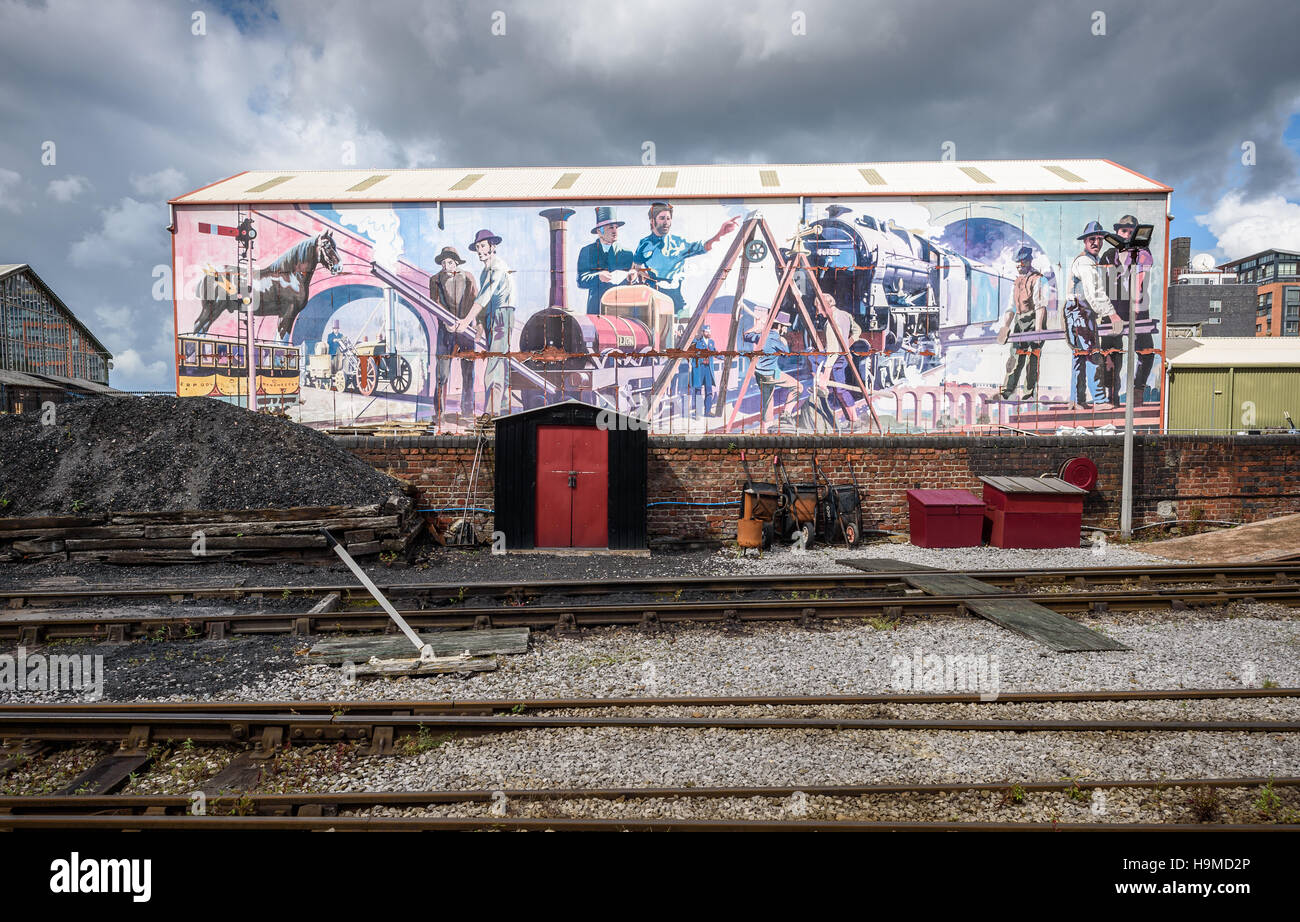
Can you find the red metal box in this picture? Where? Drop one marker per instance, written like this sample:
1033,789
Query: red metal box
945,518
1033,511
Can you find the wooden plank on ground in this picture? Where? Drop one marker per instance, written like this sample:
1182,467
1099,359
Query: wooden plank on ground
187,516
1043,625
505,640
106,775
242,773
949,584
26,524
239,543
881,564
158,556
1023,616
380,523
1256,542
413,667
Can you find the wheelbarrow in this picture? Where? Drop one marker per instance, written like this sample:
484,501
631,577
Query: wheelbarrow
839,510
798,511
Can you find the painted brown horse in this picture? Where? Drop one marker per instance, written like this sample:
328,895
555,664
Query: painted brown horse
280,289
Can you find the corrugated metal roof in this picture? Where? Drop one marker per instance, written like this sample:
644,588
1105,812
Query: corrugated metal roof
1222,352
18,379
752,180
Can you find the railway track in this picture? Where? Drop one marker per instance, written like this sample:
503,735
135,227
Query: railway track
268,725
257,730
546,808
34,625
1278,573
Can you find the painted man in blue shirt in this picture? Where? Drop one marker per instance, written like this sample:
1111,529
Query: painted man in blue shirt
767,367
598,260
660,255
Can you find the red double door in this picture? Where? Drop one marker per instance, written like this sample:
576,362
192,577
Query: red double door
572,487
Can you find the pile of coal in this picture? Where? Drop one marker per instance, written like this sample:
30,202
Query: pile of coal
153,454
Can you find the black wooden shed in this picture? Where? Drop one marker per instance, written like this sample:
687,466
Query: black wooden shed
571,475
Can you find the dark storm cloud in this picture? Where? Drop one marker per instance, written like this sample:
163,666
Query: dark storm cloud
134,100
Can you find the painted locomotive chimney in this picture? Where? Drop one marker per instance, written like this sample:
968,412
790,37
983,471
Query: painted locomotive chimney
559,218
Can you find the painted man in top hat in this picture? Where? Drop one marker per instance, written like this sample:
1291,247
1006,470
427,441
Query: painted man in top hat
335,342
702,366
1132,268
598,260
496,303
453,289
1026,313
1089,306
660,256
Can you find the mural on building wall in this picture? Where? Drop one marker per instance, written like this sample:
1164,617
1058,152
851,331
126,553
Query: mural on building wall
893,315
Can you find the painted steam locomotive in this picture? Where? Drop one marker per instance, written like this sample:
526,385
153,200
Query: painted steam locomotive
602,359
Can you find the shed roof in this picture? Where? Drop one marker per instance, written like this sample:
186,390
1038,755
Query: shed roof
1239,351
746,180
9,269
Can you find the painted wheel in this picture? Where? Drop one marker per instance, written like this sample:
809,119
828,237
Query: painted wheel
851,535
340,380
367,375
403,380
807,532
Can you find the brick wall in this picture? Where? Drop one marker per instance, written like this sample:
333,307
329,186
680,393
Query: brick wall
1227,478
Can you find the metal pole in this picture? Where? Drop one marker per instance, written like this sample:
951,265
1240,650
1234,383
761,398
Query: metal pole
1126,493
426,650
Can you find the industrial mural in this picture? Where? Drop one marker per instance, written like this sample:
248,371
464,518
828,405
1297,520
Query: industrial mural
830,316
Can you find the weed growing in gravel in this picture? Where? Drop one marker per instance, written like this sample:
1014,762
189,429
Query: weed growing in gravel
284,596
1014,795
1205,804
243,806
423,741
1268,683
78,505
1074,792
1267,802
882,624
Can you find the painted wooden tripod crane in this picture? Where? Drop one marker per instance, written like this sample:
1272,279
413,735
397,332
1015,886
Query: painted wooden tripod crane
754,226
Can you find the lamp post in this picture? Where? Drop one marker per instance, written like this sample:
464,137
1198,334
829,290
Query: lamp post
1139,240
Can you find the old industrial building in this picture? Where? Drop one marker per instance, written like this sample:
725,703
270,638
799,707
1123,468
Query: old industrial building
46,353
1275,276
1210,304
1234,385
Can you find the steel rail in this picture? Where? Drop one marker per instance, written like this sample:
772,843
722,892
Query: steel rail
243,726
54,626
508,824
490,705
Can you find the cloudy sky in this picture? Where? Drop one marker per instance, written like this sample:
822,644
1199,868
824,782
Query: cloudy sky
110,107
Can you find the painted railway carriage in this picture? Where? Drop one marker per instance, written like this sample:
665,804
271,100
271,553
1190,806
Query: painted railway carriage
827,298
217,366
